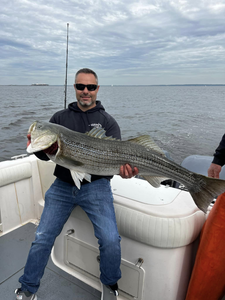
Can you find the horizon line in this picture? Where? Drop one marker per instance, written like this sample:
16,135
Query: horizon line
112,85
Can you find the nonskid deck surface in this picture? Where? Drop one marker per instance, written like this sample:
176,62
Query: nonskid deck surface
55,284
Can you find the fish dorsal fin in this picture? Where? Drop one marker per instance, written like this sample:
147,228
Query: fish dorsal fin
99,133
148,143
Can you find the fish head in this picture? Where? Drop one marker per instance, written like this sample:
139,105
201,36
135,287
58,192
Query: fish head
42,136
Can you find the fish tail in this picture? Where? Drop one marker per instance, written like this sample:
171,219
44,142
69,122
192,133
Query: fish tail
210,189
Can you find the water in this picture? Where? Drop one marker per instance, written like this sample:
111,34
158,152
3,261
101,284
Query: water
183,120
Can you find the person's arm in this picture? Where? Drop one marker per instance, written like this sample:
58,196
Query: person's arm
219,155
218,160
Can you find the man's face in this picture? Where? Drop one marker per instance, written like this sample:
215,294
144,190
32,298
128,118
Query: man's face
86,99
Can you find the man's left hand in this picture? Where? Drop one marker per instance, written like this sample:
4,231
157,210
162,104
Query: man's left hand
126,171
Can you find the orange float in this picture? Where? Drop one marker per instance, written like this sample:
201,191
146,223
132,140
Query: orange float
208,276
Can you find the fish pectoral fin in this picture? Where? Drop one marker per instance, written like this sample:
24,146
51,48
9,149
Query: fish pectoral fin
78,177
154,180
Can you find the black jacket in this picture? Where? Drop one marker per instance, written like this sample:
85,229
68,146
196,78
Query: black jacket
219,155
75,119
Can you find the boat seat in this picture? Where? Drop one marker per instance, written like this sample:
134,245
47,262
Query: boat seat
15,173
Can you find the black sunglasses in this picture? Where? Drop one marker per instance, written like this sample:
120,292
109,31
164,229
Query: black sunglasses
90,87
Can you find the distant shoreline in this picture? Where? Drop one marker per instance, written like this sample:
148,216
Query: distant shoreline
40,84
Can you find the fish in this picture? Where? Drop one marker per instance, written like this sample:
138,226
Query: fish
94,153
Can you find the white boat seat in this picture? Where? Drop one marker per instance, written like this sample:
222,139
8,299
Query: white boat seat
15,173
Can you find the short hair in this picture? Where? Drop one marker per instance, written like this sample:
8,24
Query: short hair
86,71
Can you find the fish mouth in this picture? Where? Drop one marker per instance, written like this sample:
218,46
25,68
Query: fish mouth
37,145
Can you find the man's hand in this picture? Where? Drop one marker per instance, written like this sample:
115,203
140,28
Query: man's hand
29,139
214,170
126,171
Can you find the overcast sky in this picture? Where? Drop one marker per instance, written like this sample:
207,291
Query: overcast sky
124,41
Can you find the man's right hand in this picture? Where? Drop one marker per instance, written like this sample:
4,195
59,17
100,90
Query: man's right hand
214,170
126,171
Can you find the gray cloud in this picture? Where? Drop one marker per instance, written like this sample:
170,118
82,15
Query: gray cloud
126,42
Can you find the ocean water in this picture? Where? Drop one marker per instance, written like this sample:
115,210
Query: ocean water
183,120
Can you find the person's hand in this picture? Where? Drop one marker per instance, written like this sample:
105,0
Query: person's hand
126,171
52,149
29,139
214,170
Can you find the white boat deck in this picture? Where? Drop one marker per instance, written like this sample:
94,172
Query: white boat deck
55,284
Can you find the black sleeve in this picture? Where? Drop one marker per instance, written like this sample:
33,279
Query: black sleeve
219,155
54,119
113,128
41,155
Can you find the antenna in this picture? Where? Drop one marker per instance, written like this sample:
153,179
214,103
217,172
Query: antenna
66,67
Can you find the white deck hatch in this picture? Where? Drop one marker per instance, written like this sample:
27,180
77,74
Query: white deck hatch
84,258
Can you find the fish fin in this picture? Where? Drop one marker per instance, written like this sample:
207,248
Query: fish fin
99,133
154,180
212,188
78,177
148,143
87,177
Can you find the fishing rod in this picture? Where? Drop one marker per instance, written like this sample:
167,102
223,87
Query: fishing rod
66,67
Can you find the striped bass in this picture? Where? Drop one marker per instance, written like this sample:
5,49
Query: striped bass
94,153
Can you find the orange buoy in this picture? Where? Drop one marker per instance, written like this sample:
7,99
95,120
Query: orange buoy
208,275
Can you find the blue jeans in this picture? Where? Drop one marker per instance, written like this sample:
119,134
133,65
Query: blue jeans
97,201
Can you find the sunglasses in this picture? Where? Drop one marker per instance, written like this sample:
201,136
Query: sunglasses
90,87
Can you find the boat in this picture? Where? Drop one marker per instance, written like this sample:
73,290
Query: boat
159,228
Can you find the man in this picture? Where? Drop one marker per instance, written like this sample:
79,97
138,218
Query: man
218,160
63,196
